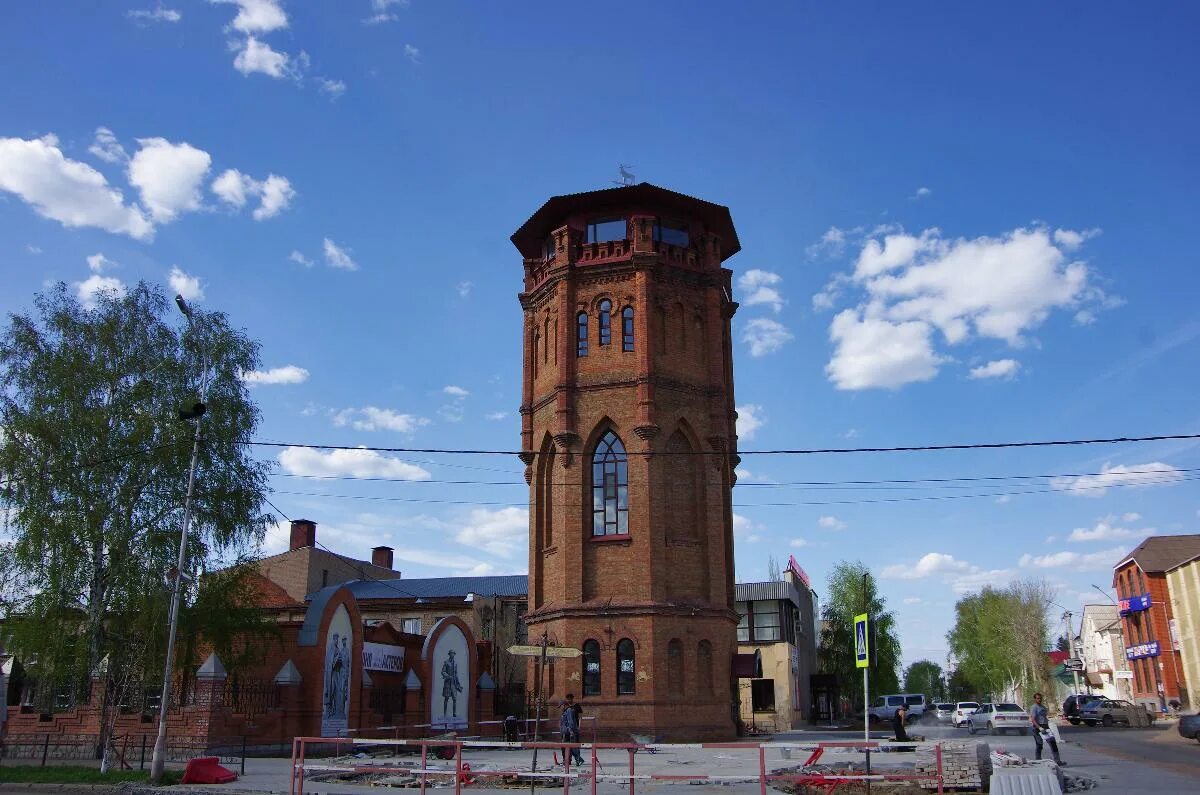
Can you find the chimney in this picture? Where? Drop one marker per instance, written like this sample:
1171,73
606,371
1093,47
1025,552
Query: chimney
304,534
381,557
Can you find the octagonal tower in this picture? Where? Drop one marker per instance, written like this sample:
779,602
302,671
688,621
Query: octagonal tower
627,417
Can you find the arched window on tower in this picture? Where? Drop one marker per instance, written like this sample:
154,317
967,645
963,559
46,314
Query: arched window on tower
675,668
605,321
626,676
610,487
704,674
581,334
533,360
627,328
591,668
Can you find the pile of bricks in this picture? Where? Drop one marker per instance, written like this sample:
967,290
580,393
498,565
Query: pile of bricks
962,764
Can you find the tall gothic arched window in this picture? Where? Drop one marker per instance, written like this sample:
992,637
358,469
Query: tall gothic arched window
626,675
605,322
591,668
627,328
581,334
610,487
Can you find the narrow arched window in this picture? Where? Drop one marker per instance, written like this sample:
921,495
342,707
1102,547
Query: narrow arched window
704,674
610,487
591,668
675,668
581,334
626,676
533,360
605,321
546,342
627,328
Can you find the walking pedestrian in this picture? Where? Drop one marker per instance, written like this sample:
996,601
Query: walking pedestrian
568,726
1039,716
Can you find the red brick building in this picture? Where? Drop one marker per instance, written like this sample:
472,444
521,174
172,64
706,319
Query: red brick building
628,416
1146,616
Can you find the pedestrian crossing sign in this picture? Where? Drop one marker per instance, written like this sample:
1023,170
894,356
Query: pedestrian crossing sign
862,649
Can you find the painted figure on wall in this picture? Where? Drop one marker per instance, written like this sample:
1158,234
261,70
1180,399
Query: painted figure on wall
339,664
451,687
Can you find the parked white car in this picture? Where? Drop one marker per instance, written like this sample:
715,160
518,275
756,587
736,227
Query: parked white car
962,711
998,718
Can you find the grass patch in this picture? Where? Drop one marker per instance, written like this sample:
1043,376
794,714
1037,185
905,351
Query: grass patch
71,774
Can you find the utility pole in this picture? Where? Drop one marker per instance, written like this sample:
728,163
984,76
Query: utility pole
541,699
1071,646
197,413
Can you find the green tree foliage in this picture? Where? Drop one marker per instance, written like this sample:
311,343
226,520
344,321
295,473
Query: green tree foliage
1000,637
925,676
93,471
847,598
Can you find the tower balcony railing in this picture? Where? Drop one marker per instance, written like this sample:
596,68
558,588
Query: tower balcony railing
682,255
609,249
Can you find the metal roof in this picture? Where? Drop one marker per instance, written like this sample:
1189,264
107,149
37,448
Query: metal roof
762,591
440,587
1162,553
532,234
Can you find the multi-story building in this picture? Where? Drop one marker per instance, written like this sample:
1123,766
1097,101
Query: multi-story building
778,625
1183,588
627,423
1147,615
1103,651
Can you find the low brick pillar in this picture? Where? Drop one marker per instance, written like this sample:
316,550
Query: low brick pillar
291,701
206,716
485,700
414,699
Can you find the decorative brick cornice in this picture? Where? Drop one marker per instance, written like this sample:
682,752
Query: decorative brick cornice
646,432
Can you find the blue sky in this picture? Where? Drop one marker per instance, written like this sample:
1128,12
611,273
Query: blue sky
959,223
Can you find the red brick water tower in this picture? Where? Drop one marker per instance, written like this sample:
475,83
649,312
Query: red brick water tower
628,416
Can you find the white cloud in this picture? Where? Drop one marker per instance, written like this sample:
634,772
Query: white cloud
452,412
232,187
106,147
288,374
977,578
256,16
183,284
65,190
930,564
412,53
503,532
277,194
338,257
381,11
832,242
463,289
32,249
746,530
750,419
999,368
921,193
90,289
872,352
1092,561
1155,473
760,287
455,391
1071,240
156,14
798,543
1000,288
254,56
358,463
300,259
1004,498
331,88
1106,529
168,177
831,523
372,418
98,263
764,336
1131,517
496,415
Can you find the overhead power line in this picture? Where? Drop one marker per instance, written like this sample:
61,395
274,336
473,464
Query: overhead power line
798,451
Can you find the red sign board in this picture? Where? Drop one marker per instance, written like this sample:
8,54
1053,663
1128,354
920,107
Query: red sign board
794,567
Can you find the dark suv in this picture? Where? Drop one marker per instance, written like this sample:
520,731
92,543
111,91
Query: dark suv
1076,702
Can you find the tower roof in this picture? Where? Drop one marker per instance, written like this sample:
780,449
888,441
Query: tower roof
533,233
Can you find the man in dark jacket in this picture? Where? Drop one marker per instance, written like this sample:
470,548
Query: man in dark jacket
898,723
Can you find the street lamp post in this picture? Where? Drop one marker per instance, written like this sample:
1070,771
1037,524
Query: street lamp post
196,413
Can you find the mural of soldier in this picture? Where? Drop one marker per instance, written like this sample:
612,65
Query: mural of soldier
451,687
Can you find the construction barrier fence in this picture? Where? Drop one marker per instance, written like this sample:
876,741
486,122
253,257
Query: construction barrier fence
606,766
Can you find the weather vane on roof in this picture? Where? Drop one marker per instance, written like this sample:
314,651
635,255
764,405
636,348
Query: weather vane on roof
626,176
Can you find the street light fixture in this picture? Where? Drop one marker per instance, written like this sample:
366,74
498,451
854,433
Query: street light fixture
196,412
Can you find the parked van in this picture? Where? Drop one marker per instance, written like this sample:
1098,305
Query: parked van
883,708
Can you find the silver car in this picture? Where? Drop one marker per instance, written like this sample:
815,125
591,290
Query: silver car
944,711
962,711
998,718
1109,711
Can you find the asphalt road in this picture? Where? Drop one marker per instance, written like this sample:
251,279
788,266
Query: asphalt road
1160,746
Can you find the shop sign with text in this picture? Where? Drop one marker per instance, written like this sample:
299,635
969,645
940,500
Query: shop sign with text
1135,604
1141,650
